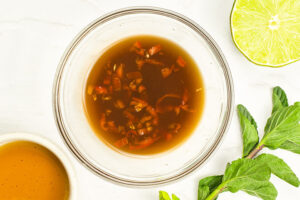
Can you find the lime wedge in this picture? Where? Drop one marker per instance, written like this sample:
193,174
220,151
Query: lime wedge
267,32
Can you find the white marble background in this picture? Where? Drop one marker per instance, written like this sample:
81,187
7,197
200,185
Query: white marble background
34,35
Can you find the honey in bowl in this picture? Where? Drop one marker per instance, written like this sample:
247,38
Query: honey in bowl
144,95
30,171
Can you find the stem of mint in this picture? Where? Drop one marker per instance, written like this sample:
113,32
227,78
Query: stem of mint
216,192
255,151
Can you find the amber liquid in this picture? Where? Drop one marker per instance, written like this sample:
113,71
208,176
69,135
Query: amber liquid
188,78
30,171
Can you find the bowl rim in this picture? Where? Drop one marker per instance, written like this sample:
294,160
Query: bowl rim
142,10
7,138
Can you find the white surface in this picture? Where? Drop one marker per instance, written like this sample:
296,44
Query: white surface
34,35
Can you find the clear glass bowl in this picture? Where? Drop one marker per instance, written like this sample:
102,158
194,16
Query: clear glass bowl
71,77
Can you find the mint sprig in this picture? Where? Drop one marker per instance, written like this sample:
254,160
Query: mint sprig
251,174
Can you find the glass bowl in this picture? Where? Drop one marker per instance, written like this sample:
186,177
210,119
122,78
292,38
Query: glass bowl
69,89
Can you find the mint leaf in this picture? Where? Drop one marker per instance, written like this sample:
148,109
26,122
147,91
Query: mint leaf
208,185
249,176
279,168
174,197
249,130
281,126
246,169
291,146
263,189
279,99
164,195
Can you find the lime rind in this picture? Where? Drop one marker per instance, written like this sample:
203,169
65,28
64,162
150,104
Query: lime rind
267,32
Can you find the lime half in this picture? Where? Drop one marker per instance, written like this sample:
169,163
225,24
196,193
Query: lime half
267,32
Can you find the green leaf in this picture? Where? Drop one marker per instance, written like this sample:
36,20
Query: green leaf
263,189
249,130
282,126
174,197
291,146
279,99
164,195
246,168
249,176
279,168
208,185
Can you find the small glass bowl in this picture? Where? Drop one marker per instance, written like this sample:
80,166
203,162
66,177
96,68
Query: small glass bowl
72,73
